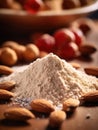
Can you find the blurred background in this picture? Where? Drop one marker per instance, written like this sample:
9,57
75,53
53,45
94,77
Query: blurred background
40,23
94,15
15,24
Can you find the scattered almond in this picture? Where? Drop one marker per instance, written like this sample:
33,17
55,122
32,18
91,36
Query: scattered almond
19,49
5,70
56,118
91,71
42,105
31,52
70,104
19,114
75,65
7,85
8,56
11,44
5,95
91,97
87,49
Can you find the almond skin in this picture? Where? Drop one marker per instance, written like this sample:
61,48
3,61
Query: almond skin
5,70
87,49
56,118
90,97
8,56
7,85
91,71
31,52
19,49
5,95
11,44
70,104
19,114
42,105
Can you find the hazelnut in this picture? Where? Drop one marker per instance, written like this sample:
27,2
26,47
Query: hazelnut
19,49
8,56
31,52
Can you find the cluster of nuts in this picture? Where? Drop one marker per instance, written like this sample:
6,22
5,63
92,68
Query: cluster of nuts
56,116
43,5
11,53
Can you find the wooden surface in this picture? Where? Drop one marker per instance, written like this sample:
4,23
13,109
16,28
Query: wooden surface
84,118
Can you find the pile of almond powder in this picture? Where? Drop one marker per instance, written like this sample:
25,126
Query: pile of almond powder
51,78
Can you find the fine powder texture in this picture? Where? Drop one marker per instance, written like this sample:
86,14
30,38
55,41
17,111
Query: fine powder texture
53,79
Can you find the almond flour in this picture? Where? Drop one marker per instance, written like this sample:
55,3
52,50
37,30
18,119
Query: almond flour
53,79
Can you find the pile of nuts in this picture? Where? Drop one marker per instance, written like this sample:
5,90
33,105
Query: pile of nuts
56,116
11,53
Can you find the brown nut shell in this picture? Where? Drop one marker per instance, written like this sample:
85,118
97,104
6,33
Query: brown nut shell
5,95
7,85
31,52
19,114
56,118
70,104
5,70
42,105
8,56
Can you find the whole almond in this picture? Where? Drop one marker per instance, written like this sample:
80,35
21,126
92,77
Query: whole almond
87,49
19,49
5,95
75,65
91,71
31,52
20,52
70,104
7,85
11,44
42,105
19,114
8,56
56,118
91,97
5,70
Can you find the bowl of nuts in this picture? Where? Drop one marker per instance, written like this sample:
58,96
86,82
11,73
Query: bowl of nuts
45,15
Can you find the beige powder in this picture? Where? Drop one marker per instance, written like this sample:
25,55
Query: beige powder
53,79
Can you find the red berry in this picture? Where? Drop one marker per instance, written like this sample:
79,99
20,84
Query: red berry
79,37
68,52
63,37
46,43
33,5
